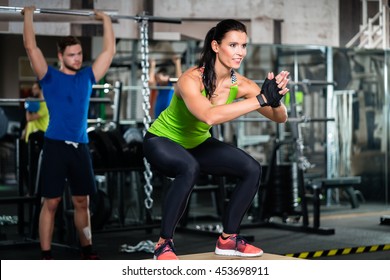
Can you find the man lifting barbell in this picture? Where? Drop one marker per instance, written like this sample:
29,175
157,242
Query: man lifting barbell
66,156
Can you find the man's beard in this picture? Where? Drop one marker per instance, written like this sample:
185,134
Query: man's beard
71,67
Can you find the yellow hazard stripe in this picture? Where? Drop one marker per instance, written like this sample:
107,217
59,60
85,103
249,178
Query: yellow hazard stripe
342,251
374,248
360,249
304,255
318,254
332,252
346,251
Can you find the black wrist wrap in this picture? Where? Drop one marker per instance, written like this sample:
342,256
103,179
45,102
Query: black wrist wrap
261,100
271,91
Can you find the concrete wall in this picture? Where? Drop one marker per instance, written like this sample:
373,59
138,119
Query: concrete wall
62,25
54,28
304,22
125,28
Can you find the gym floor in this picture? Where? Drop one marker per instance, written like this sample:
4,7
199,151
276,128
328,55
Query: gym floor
358,235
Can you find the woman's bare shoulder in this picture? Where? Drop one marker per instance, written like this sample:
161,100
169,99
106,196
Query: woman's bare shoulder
191,75
190,79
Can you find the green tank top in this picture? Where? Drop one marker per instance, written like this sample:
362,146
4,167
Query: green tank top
178,124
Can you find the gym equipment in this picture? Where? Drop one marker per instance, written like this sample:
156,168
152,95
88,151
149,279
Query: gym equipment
3,123
110,151
385,220
131,151
21,199
328,183
217,187
114,157
32,106
33,149
5,9
287,199
132,135
145,245
12,13
282,198
20,100
106,154
101,208
304,82
94,149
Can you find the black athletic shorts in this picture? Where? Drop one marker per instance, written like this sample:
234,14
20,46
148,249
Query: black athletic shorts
63,163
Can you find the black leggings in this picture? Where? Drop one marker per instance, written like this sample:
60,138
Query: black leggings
184,165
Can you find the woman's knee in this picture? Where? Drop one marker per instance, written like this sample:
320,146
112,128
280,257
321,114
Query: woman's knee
193,168
190,170
254,170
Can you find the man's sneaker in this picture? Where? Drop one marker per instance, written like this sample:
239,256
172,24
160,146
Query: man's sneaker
236,246
165,251
90,256
46,255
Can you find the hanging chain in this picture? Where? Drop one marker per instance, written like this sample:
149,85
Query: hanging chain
146,246
303,162
146,106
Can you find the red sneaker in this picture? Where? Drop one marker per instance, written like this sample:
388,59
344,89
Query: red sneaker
236,246
165,251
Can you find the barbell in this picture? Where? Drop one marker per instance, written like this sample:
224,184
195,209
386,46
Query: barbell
303,119
306,82
30,99
12,13
105,86
48,11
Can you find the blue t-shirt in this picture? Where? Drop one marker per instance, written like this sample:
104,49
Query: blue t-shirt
163,99
67,98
